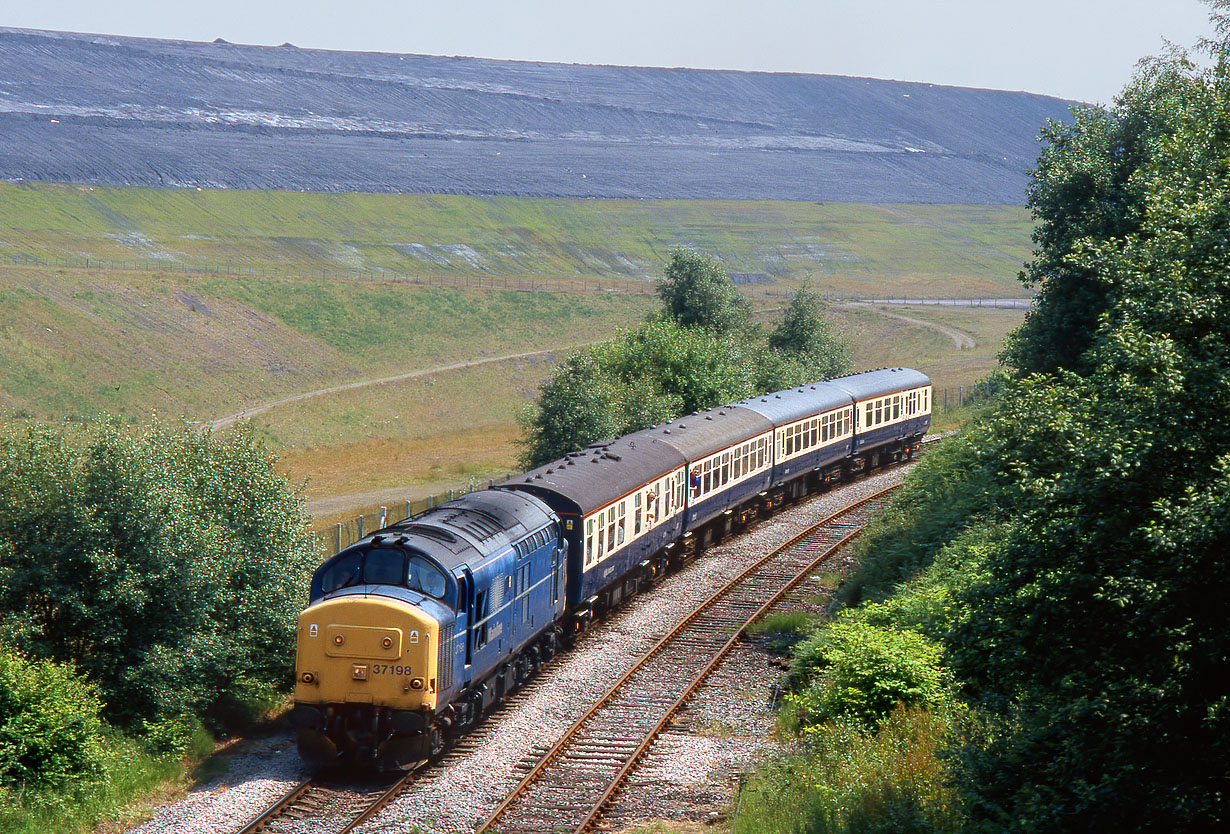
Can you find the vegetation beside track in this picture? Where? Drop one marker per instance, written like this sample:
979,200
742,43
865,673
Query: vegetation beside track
1057,570
150,583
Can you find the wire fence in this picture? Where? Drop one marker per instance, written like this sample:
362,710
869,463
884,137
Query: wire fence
345,533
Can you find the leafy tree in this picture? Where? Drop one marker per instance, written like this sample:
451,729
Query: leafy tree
697,292
168,566
1098,640
805,337
574,409
697,352
1088,187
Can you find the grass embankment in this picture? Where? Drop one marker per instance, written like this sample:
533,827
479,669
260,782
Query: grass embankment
81,342
850,249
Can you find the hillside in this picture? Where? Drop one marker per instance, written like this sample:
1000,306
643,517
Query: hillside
133,111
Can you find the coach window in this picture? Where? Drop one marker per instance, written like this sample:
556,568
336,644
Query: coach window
589,542
623,520
636,514
896,408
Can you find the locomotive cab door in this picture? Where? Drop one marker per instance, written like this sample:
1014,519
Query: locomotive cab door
465,608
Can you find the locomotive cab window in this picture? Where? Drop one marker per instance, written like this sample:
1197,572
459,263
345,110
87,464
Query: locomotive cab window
425,577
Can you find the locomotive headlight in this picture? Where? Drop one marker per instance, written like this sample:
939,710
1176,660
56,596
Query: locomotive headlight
387,642
338,639
416,683
308,677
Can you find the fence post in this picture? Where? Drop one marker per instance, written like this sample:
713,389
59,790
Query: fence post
407,508
338,549
384,517
360,526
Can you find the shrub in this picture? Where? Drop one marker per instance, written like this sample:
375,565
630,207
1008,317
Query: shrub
894,780
853,669
50,730
167,565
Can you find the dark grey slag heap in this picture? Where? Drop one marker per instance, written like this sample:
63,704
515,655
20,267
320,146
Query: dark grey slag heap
134,111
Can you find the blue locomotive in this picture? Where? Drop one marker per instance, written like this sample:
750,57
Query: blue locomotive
413,632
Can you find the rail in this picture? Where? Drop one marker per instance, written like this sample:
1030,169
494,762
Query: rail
308,797
560,808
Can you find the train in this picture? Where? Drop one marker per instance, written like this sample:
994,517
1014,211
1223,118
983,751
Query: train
414,632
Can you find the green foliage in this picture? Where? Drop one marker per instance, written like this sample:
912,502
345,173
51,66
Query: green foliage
852,668
945,512
697,292
168,566
805,337
573,410
51,736
1095,640
1090,185
847,780
671,365
131,774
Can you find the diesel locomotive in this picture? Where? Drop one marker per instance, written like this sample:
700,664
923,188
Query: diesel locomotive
413,632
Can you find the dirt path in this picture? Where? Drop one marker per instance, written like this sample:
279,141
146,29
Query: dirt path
231,419
960,341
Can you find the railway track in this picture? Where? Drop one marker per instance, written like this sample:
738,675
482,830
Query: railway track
571,784
349,805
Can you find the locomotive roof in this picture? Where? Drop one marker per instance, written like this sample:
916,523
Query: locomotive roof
783,407
877,383
699,434
603,472
482,522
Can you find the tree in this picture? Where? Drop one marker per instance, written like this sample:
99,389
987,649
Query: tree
574,409
167,565
696,291
805,337
1098,642
697,352
1087,187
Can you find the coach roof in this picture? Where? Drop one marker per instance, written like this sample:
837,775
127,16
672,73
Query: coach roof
603,472
878,383
704,432
783,407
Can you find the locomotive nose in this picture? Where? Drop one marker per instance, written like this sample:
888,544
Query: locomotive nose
367,651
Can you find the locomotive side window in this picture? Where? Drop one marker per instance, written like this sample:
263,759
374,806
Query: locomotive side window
424,576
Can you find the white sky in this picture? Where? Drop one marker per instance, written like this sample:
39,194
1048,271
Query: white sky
1076,49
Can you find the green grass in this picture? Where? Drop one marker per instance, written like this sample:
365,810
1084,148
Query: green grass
310,291
792,622
133,776
844,248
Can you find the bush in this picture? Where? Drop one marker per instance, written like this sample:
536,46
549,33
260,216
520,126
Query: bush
51,736
894,780
853,669
167,565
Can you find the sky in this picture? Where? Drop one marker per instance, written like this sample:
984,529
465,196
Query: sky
1083,50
